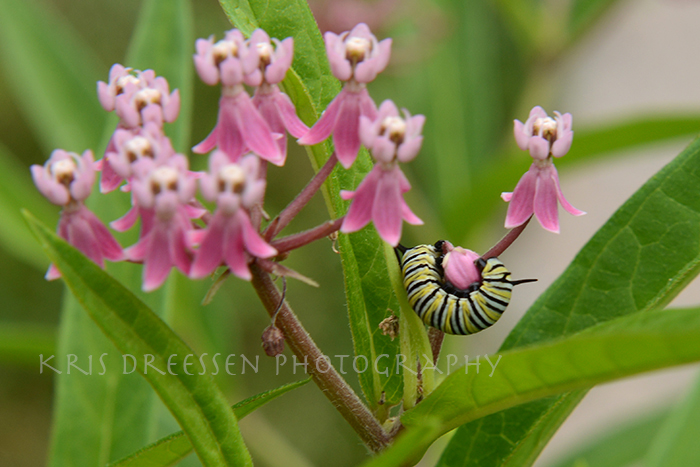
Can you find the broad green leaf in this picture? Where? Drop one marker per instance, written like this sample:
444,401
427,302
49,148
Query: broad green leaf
164,42
16,192
676,442
311,87
620,447
23,342
173,448
621,347
53,72
194,400
638,261
100,419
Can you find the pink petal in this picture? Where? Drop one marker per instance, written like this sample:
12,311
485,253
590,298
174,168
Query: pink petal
346,136
109,178
323,128
563,143
254,243
207,71
545,203
126,112
127,221
55,192
81,236
367,106
409,149
387,209
229,137
521,202
506,196
539,148
211,250
408,215
560,196
172,108
360,211
521,137
268,110
104,94
53,273
287,112
234,253
157,262
108,245
256,132
231,72
208,143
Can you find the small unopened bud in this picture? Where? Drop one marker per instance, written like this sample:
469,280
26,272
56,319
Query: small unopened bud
272,341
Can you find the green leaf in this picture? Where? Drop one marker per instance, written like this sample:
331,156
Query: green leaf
638,261
676,442
584,13
173,448
16,192
23,342
620,447
194,400
164,42
621,347
54,73
311,86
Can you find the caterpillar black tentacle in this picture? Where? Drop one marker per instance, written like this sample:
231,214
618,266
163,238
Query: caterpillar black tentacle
443,306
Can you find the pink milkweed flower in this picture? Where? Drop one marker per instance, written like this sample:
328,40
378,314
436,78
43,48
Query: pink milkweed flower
138,97
130,146
275,106
459,266
538,190
66,180
162,194
240,127
230,237
379,197
355,57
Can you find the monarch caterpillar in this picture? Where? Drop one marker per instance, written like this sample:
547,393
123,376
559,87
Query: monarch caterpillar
441,305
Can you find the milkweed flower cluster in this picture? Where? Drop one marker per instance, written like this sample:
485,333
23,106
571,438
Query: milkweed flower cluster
538,190
177,231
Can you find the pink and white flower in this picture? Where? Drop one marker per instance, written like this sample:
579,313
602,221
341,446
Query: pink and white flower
356,57
66,180
163,194
230,237
379,197
538,191
275,106
240,127
130,146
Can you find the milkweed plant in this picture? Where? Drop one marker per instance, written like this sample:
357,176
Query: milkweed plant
282,84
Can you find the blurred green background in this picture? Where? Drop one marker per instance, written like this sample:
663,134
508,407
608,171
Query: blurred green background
470,67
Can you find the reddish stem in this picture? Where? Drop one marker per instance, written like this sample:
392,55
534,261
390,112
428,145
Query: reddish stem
506,241
332,385
297,240
298,203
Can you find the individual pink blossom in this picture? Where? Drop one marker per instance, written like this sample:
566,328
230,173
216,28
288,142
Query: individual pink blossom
459,265
389,136
66,180
538,190
240,127
130,146
163,194
230,237
355,57
275,106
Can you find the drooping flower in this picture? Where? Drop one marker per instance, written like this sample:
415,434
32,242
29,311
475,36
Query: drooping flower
275,106
230,237
66,180
356,57
379,197
459,266
163,194
240,127
538,190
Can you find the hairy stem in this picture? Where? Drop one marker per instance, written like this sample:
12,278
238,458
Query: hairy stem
506,241
332,385
297,240
298,203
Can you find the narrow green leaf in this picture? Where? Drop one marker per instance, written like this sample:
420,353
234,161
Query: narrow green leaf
16,192
175,447
22,342
639,260
164,42
584,13
311,87
676,442
194,400
53,72
621,447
